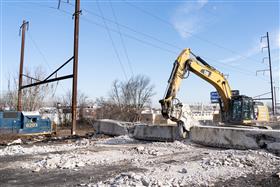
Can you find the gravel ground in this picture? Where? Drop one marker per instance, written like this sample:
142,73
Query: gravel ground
122,161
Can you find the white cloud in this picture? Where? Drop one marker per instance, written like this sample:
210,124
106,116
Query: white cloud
274,44
187,17
233,60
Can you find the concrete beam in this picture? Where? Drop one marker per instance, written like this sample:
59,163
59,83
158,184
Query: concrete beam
112,127
240,138
156,132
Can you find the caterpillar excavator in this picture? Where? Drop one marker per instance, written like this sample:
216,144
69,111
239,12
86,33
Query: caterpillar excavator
237,110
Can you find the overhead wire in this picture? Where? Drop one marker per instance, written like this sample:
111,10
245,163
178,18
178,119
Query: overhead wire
44,59
239,70
226,66
112,41
188,32
153,38
121,37
130,36
123,34
133,30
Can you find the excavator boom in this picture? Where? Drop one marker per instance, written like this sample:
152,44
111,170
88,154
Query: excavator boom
185,62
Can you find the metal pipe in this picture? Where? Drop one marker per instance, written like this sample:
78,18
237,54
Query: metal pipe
47,81
59,68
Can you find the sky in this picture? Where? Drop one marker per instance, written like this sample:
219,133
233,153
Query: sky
119,39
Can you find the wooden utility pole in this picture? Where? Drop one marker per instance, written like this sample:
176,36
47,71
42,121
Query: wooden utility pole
75,67
23,28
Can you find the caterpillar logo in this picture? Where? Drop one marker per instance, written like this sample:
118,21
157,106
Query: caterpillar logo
31,125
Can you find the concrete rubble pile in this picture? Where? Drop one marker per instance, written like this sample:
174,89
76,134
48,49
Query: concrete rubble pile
182,170
123,139
20,150
175,163
76,154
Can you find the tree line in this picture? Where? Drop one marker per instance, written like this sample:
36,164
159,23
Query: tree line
125,100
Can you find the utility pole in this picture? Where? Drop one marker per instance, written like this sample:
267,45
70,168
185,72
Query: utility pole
23,28
270,71
75,66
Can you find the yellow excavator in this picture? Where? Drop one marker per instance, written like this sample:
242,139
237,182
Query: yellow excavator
234,109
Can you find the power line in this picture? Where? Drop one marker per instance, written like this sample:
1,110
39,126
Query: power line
240,70
112,41
236,69
135,31
144,34
122,40
38,49
131,37
188,32
44,59
149,36
123,34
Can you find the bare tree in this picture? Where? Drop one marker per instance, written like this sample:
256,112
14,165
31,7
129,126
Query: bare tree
33,97
126,99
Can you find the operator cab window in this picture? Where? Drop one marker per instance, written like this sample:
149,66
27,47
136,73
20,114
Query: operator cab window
237,110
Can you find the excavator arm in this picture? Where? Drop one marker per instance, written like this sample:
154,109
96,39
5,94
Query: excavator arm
187,61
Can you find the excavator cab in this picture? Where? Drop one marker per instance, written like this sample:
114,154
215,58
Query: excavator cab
241,110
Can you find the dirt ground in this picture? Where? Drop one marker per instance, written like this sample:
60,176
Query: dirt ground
121,161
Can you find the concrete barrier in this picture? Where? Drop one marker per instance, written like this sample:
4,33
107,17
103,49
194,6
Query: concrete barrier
112,127
137,131
156,132
224,137
240,138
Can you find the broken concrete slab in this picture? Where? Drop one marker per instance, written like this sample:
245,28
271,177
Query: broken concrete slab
156,132
112,127
138,131
240,138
